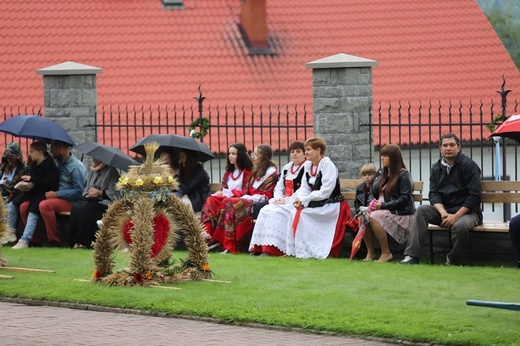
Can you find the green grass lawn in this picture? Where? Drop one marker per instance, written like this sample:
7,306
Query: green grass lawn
417,303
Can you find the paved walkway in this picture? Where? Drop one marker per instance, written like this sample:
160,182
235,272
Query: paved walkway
48,325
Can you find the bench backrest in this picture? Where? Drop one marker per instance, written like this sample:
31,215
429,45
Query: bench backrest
500,191
348,188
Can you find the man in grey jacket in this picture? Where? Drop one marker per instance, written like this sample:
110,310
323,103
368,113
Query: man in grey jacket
454,201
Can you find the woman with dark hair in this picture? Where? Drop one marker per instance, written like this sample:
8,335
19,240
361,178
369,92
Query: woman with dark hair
235,221
235,182
44,177
193,180
392,212
11,171
267,237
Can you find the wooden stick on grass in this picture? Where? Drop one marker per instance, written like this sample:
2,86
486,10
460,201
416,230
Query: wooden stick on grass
16,269
211,280
6,277
154,286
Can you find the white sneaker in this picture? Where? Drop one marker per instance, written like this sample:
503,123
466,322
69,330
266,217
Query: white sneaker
9,237
22,244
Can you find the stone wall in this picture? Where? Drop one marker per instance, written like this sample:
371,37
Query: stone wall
342,100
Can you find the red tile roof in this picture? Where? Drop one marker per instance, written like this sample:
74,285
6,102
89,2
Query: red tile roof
426,50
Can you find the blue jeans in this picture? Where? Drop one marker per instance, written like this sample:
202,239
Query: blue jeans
428,214
12,217
30,227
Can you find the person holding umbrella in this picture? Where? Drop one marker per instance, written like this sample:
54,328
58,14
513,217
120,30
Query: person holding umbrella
71,184
99,192
44,177
193,180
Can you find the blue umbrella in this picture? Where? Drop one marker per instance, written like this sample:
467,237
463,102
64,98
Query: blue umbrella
35,127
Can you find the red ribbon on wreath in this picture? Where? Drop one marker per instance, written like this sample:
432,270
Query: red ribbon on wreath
161,228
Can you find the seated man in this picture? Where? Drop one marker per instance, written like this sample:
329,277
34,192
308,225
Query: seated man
454,201
72,180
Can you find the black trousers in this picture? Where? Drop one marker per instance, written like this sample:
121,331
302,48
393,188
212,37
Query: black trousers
83,222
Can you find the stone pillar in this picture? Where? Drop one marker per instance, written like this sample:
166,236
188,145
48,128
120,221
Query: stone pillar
70,98
342,100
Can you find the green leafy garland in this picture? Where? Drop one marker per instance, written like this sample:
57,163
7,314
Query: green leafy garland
497,120
203,123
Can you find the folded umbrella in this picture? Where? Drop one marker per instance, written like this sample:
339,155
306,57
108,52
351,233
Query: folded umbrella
363,222
108,155
174,141
35,127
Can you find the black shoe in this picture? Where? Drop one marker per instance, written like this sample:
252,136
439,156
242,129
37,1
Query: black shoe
35,244
54,244
409,260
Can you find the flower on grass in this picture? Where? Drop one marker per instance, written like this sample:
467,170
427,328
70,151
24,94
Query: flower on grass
138,278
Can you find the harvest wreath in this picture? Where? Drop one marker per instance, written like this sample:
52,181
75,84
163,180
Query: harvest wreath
146,220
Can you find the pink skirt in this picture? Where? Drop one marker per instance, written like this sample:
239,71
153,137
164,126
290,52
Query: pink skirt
398,226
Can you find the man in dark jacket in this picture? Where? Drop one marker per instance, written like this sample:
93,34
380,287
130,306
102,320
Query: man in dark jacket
454,201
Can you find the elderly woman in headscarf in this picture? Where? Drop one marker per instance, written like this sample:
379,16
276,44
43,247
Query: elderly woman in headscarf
12,169
99,192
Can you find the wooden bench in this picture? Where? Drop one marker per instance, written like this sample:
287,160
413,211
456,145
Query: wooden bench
492,192
348,189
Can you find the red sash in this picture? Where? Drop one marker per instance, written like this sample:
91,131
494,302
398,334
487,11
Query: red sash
288,188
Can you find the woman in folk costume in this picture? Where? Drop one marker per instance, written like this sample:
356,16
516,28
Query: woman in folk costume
271,224
235,182
235,220
321,212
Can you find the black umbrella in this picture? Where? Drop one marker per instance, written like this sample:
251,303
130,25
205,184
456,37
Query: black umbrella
35,127
174,141
107,154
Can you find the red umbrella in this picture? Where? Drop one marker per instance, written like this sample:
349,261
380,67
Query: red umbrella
363,222
509,128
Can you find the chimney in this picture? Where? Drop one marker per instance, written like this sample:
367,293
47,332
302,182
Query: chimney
253,24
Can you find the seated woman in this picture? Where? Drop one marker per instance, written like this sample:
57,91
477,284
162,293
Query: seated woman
44,177
393,210
99,192
193,180
321,212
235,182
11,171
235,220
267,237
